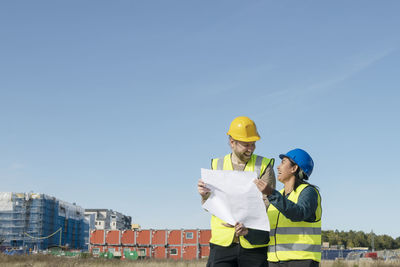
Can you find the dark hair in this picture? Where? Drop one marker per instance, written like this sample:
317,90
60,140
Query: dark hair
300,176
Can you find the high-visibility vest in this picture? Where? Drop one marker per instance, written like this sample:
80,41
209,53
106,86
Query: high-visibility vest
220,234
294,240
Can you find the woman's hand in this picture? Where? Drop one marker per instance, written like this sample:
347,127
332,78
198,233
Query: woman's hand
265,188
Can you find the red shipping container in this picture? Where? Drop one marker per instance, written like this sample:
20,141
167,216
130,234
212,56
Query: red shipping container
143,237
143,252
190,237
204,251
97,249
190,252
175,237
128,237
159,252
160,244
113,237
159,237
174,252
97,237
114,248
205,236
372,255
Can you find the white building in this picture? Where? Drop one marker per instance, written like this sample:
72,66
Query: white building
104,219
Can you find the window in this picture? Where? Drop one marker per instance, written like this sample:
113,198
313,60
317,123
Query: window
142,252
174,251
189,235
96,251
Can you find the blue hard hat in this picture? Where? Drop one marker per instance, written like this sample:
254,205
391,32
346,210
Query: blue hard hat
301,158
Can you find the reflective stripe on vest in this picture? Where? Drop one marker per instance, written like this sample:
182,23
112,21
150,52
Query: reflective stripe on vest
221,235
294,240
296,247
296,231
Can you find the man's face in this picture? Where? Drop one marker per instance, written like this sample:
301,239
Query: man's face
243,150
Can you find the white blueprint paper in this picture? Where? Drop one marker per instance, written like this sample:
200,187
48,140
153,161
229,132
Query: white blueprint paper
235,198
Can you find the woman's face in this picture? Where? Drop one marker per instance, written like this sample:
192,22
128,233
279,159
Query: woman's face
286,170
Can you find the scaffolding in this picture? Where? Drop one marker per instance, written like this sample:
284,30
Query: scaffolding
30,220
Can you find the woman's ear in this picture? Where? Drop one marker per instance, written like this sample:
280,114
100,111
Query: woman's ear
295,167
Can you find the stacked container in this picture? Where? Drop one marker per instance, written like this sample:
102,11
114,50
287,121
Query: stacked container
160,244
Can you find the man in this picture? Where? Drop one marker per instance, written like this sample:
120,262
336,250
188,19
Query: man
237,245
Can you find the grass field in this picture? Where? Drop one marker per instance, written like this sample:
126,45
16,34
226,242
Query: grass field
54,261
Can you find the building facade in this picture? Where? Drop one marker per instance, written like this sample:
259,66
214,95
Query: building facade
105,219
38,221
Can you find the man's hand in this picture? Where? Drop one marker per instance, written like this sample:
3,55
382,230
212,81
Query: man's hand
204,191
240,229
263,187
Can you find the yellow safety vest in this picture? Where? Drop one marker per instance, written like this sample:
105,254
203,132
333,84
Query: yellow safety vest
220,234
294,240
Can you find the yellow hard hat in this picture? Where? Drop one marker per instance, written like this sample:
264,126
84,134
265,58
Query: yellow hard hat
243,129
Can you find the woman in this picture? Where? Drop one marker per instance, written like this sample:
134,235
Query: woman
294,213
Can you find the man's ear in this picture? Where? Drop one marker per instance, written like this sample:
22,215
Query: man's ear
231,141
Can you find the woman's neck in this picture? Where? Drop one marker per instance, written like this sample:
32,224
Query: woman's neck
289,185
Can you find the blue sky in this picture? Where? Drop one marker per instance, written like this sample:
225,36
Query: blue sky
118,104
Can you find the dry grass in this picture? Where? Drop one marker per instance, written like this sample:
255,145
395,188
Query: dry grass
361,263
50,261
54,261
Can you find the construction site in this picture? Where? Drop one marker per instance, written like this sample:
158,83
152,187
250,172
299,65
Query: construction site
36,222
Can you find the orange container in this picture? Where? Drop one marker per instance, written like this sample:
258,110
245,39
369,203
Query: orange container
143,237
159,237
372,255
159,244
190,237
143,252
159,252
113,237
114,248
190,252
175,237
101,248
204,251
205,236
174,252
128,237
97,237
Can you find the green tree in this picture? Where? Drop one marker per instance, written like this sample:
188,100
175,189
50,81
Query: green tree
359,239
397,242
